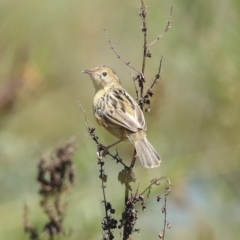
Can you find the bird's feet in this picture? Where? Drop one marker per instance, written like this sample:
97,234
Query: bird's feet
102,151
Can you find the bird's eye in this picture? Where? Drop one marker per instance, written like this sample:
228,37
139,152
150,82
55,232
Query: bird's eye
104,74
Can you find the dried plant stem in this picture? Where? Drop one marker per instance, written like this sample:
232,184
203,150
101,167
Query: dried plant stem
157,181
125,232
126,198
133,158
168,26
105,200
118,56
158,75
143,15
135,86
165,216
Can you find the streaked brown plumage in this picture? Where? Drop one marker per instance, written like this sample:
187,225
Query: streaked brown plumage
119,114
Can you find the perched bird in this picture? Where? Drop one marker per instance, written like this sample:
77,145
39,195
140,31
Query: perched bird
119,114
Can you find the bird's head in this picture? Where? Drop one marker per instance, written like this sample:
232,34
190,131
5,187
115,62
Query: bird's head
103,77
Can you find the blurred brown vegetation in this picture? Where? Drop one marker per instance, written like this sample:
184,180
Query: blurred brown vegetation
194,123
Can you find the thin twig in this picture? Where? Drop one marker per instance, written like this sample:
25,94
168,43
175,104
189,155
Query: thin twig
117,158
105,202
141,78
143,15
168,26
108,224
156,182
118,56
135,86
126,197
133,158
158,75
84,114
145,99
165,216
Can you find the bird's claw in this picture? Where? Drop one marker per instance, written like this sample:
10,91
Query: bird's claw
102,150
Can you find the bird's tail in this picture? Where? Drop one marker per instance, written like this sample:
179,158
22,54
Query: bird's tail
145,151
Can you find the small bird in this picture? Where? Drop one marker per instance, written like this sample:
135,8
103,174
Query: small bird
119,114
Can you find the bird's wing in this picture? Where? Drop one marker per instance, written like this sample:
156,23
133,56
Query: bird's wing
119,109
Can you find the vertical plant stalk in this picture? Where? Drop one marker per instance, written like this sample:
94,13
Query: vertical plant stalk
125,234
103,178
143,14
165,217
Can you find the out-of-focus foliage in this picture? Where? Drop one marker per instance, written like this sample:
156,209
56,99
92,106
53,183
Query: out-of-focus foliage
194,123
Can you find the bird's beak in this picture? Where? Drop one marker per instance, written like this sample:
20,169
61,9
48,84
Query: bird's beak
88,72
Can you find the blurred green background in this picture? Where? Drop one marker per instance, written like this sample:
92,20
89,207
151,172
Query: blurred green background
194,123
